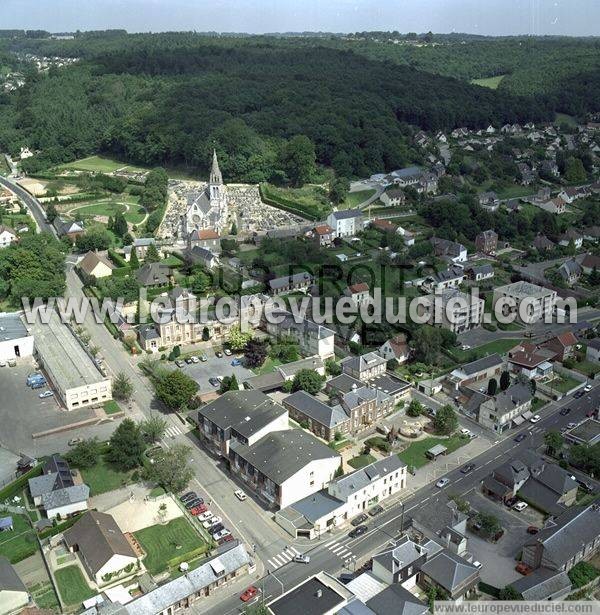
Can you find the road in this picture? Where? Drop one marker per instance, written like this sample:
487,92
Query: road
34,206
337,554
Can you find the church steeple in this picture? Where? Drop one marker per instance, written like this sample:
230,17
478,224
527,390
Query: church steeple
215,172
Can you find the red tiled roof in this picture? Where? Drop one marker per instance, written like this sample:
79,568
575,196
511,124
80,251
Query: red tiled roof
385,225
361,287
567,339
323,229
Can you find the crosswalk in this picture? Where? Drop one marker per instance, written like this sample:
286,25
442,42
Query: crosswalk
339,549
282,558
172,431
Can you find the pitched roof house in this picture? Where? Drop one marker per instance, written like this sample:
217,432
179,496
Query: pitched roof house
96,265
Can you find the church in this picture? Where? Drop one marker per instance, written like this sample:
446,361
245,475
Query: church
207,208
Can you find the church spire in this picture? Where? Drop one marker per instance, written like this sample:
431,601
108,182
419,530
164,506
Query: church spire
215,172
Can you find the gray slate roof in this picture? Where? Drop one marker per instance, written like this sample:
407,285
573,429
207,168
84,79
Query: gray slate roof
403,554
9,579
493,360
351,483
296,279
330,416
66,496
12,327
345,214
448,570
542,584
397,600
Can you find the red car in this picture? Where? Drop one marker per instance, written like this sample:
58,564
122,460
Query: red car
227,538
199,510
249,594
523,568
532,529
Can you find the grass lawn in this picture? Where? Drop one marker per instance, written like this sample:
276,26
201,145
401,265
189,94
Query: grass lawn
360,461
563,384
356,198
21,542
104,477
537,403
563,118
44,596
99,164
164,542
72,586
112,407
310,199
268,366
135,214
489,82
414,455
172,261
587,368
500,346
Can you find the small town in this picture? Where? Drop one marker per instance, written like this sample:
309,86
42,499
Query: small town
161,455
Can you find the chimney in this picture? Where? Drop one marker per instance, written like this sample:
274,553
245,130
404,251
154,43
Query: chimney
319,593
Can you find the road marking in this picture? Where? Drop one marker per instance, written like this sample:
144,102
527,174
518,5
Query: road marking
344,553
337,549
294,550
276,559
272,564
331,542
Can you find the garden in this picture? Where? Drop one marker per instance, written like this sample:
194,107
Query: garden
72,585
21,542
414,456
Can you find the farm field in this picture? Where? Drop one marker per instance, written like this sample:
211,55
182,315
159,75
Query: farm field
489,82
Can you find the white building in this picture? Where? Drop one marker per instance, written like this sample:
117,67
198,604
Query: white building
540,301
15,339
6,237
76,378
454,310
346,223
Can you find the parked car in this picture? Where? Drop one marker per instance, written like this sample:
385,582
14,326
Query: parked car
211,521
198,510
191,503
358,531
46,394
442,483
227,352
75,441
535,418
12,363
195,359
520,506
510,502
34,376
520,437
220,534
215,529
236,362
38,384
477,564
585,486
565,411
579,394
179,363
214,381
346,577
532,529
190,495
226,538
240,495
523,568
203,358
571,425
189,360
376,510
358,520
302,559
587,388
219,354
465,347
2,363
204,516
249,594
465,432
468,468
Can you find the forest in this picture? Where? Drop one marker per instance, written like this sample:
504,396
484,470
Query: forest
168,99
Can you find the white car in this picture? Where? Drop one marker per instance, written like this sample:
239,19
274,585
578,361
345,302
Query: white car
218,535
46,394
535,418
195,359
571,425
205,516
211,522
227,352
465,347
520,506
465,432
240,495
442,483
587,388
477,564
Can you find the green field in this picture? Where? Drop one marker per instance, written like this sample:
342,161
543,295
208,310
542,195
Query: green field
414,455
563,118
360,461
268,366
354,199
99,164
112,407
21,542
165,542
310,200
104,477
72,586
489,82
133,212
500,346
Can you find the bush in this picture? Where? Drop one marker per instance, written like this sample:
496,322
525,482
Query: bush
582,573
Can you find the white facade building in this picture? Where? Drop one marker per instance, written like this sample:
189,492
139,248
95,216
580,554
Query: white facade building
15,340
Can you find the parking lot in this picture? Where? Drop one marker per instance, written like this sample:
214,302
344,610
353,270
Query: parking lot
214,367
22,412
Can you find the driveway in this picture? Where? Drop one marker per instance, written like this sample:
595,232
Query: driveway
215,366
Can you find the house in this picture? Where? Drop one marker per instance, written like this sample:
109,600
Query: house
358,292
570,271
141,245
152,275
506,480
409,176
69,229
396,348
385,226
346,223
563,346
443,248
565,540
549,167
478,371
203,256
528,176
571,236
96,265
393,599
291,283
364,367
453,310
428,184
589,263
284,466
592,351
487,242
489,200
501,410
570,194
56,491
399,563
442,520
245,416
393,197
103,550
543,584
554,206
323,235
14,596
542,244
449,278
527,302
7,236
530,360
206,238
478,273
344,498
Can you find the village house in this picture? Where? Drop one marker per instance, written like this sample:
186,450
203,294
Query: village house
346,223
203,256
571,236
479,273
487,242
141,245
542,244
291,283
530,360
563,346
96,265
69,229
475,372
396,348
554,206
323,235
489,201
359,292
500,411
590,262
393,197
205,238
452,277
7,236
570,271
443,248
152,275
364,367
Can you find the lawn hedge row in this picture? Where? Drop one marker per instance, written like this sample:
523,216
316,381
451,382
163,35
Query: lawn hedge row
60,527
294,207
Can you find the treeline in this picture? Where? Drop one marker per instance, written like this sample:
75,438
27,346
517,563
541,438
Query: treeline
169,99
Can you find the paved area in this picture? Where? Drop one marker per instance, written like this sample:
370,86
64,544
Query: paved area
215,366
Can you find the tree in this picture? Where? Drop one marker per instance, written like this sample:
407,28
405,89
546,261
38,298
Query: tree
95,238
152,255
153,428
509,593
575,171
332,367
504,380
86,454
492,387
205,334
200,283
490,525
255,353
445,420
171,469
307,380
120,227
238,338
122,388
554,442
415,409
126,446
533,386
234,229
176,389
299,160
51,212
338,190
134,262
229,383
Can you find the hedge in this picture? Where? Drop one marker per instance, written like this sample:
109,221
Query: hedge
60,527
19,484
489,589
582,573
117,259
293,207
186,557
